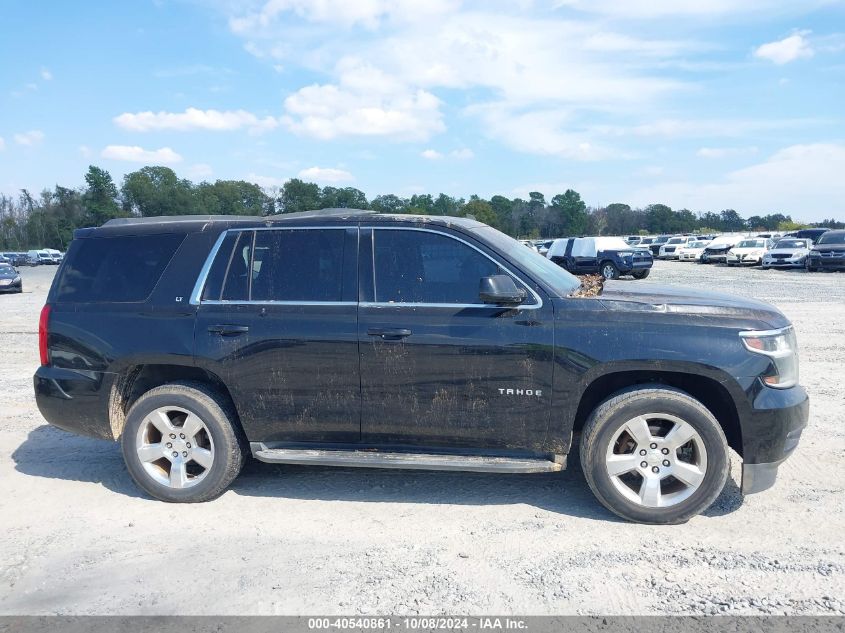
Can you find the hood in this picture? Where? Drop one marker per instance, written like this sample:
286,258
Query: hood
748,249
829,247
787,251
647,297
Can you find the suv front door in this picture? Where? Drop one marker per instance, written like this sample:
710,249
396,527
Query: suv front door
277,321
438,366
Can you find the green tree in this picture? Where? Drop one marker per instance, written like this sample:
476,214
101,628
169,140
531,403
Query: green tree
389,203
345,198
299,196
659,218
571,213
503,208
100,197
481,210
731,221
421,204
155,191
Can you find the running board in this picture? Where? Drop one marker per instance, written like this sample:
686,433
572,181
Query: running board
414,461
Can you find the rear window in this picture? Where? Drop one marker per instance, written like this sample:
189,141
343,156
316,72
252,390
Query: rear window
115,269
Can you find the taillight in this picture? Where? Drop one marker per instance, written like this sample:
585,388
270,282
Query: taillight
43,322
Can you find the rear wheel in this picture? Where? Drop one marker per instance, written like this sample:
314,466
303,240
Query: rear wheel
609,270
180,443
654,455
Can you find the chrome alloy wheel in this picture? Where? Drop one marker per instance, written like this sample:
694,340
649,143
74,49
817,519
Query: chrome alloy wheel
174,447
656,460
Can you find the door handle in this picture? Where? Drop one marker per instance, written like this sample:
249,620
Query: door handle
389,334
228,330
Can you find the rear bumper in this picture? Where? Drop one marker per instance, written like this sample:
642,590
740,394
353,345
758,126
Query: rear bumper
771,434
75,400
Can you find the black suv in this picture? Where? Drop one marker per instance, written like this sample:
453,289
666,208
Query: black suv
609,257
354,339
828,253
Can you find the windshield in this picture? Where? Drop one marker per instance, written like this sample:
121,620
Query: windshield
751,244
832,238
5,268
647,240
533,263
661,240
791,244
676,240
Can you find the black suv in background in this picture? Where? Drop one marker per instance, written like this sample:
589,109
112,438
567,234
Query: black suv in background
609,257
355,339
828,252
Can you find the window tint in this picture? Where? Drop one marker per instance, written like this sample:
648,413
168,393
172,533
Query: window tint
298,265
422,267
115,269
236,277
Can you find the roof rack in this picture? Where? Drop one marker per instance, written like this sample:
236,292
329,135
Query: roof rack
167,219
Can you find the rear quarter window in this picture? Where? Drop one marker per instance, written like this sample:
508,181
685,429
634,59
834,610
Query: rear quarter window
115,269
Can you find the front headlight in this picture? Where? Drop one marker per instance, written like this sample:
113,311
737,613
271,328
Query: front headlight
626,254
781,347
814,253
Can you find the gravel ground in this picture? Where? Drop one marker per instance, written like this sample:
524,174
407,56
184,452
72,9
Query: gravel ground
78,538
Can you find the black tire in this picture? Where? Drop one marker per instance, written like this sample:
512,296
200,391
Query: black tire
641,274
765,267
230,446
608,270
613,414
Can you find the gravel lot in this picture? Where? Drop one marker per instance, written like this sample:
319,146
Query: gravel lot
78,538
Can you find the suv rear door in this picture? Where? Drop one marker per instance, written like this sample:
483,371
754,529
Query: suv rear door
438,367
277,321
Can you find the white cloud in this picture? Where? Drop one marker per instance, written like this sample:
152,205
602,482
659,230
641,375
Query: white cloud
199,171
29,139
325,174
652,9
724,152
46,75
136,154
195,119
365,102
796,46
265,182
431,154
800,180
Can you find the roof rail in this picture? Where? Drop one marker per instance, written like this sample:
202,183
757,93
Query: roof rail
163,219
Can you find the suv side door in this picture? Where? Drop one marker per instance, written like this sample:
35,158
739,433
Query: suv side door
438,366
277,322
580,264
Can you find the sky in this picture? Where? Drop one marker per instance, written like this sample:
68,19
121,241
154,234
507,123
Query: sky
699,104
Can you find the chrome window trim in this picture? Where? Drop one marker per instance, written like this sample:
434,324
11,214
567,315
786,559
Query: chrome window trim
379,304
203,275
196,293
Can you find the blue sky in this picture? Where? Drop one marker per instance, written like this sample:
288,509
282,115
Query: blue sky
704,104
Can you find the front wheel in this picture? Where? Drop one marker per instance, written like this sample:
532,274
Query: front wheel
654,455
641,274
180,443
609,270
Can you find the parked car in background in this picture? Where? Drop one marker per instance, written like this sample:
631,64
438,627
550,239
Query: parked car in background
633,240
656,243
4,259
670,249
529,244
717,250
813,234
610,257
38,257
748,252
16,259
10,279
645,243
55,255
692,251
543,246
828,253
788,252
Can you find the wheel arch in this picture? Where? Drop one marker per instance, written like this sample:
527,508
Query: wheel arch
135,380
711,392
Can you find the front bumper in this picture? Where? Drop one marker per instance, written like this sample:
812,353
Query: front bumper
830,263
16,287
784,263
771,433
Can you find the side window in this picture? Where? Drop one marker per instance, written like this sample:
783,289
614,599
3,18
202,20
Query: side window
423,267
298,265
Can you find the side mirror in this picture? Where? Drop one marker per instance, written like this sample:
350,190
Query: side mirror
500,289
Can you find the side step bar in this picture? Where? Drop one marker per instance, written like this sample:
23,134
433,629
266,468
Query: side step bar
415,461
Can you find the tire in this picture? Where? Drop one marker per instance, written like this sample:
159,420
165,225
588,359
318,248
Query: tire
607,444
765,267
642,274
199,476
608,270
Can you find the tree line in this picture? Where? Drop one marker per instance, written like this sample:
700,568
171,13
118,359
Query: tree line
49,219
